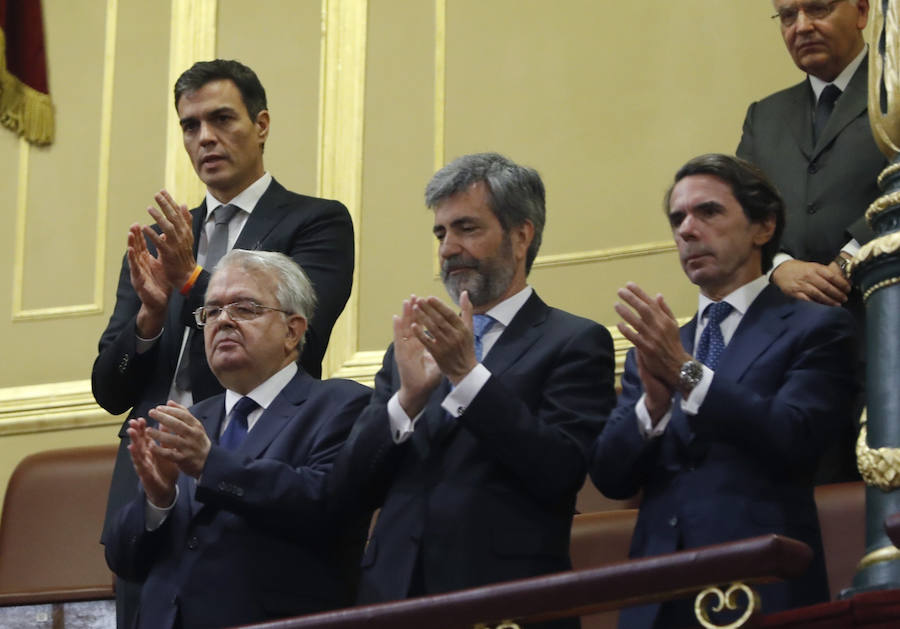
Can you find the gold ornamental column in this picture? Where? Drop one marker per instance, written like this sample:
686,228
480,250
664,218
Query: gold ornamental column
876,269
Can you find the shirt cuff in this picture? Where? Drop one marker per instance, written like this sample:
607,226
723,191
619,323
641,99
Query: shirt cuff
780,258
459,399
645,424
852,247
154,516
402,426
692,403
143,345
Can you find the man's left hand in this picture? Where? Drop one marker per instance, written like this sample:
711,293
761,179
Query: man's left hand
176,244
447,335
652,328
184,440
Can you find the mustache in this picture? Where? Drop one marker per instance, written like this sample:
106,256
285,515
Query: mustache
457,262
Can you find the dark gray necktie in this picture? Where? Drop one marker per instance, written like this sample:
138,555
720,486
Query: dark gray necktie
218,242
824,107
711,342
218,246
236,430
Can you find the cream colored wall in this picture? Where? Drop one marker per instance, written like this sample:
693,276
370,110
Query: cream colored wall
367,98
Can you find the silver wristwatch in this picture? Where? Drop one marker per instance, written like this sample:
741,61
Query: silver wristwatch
690,375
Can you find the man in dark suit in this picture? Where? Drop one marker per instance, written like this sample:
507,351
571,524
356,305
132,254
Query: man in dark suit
476,440
230,526
151,351
813,141
721,424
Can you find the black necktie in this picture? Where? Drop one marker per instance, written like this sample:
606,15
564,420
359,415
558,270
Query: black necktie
237,428
824,108
711,342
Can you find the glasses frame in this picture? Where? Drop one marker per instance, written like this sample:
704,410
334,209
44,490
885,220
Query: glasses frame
828,7
201,314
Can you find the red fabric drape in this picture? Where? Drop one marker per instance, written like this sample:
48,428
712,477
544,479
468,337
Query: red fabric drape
25,105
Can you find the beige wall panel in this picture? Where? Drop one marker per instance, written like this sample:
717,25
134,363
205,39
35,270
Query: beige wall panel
65,192
9,172
281,42
61,196
606,101
397,247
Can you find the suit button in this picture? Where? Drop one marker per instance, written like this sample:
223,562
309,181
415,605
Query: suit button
813,168
223,486
673,521
193,543
811,208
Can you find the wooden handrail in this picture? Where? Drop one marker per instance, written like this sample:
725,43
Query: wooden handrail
578,592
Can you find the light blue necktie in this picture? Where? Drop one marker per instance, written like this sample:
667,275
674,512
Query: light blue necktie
237,428
480,324
711,343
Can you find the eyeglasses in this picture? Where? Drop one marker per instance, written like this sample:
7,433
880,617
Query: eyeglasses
244,310
813,9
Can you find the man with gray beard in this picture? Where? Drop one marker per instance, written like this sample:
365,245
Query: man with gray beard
475,442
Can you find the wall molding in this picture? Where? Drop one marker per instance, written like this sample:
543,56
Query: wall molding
192,37
55,406
95,306
342,93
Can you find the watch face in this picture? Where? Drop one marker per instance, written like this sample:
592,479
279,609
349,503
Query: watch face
691,374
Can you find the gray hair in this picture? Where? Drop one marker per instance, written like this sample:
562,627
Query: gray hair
293,290
515,193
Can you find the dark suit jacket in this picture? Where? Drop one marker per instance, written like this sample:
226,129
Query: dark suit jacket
251,540
489,496
316,233
742,466
827,187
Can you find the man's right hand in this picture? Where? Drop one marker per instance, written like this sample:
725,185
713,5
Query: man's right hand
150,284
811,281
419,373
157,475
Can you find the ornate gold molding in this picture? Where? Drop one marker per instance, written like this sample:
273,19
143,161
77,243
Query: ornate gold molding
883,123
881,204
192,37
341,125
44,407
879,467
604,255
879,555
726,600
19,312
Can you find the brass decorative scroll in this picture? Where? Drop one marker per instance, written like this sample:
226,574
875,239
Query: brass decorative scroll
728,600
879,467
506,624
887,553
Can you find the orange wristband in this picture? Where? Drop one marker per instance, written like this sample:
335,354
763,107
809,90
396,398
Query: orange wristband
190,283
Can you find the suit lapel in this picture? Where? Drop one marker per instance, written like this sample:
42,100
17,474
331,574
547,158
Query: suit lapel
761,325
851,105
199,216
275,418
263,219
799,117
522,332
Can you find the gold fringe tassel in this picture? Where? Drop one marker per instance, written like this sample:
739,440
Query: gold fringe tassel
24,110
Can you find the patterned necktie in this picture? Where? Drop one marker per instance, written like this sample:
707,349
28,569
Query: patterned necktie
711,343
824,107
218,245
237,428
480,324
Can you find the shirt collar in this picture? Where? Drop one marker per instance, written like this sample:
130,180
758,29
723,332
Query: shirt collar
246,200
265,393
504,312
843,79
739,299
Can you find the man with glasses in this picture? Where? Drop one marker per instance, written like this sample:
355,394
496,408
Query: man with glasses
230,527
150,351
814,142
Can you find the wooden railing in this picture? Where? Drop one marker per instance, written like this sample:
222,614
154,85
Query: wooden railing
622,584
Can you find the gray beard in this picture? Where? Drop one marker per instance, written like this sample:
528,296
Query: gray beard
484,285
